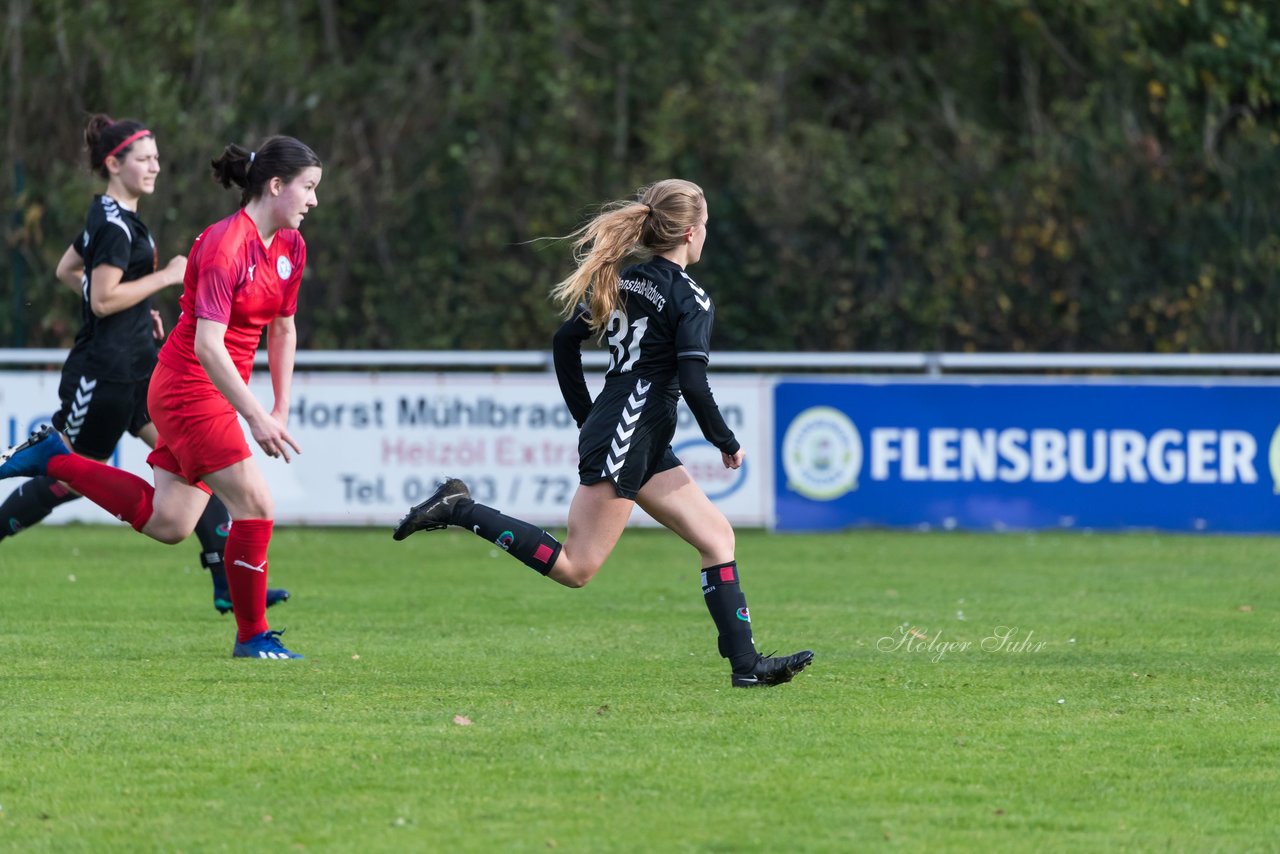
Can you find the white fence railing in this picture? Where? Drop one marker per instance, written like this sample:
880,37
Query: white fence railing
926,363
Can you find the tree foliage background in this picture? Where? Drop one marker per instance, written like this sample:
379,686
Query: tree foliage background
1047,175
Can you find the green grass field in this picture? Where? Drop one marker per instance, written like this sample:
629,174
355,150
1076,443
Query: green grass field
1133,706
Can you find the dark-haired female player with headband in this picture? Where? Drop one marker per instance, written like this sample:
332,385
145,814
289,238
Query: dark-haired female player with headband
242,276
658,321
114,267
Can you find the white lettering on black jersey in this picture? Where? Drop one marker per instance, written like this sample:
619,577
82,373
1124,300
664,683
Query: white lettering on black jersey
662,316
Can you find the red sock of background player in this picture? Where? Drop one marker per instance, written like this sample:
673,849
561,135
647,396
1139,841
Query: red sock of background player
123,495
245,560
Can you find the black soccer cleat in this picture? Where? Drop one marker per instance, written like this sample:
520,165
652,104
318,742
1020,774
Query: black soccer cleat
773,671
434,513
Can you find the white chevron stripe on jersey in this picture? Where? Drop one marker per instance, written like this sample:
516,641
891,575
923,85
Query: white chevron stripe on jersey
619,447
80,406
112,212
700,296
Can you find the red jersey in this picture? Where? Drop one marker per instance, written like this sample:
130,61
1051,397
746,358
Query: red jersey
232,278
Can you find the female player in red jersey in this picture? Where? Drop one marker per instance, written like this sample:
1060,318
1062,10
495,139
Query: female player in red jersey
242,276
114,267
658,321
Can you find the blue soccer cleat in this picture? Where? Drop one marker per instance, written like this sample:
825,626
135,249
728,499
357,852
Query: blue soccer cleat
265,645
31,458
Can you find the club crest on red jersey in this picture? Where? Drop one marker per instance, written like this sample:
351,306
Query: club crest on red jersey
284,267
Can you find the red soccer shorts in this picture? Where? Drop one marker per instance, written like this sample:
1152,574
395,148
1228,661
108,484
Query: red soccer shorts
198,427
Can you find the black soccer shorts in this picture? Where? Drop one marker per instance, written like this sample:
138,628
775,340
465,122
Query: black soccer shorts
627,438
96,413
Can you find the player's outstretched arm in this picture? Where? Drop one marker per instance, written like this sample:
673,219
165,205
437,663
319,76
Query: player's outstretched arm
566,352
211,350
697,393
282,348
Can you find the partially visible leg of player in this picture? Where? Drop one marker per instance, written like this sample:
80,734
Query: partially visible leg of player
94,414
672,498
126,496
30,503
211,530
243,489
597,518
97,410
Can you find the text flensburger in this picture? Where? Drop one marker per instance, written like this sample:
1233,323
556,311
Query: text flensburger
1069,454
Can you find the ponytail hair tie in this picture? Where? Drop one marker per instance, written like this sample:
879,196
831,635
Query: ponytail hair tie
252,154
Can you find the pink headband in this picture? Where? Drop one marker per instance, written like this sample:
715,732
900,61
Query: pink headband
127,141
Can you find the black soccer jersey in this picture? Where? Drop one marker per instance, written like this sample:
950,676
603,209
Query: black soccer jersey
118,347
660,333
662,316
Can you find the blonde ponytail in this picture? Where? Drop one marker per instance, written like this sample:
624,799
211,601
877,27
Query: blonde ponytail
599,248
656,223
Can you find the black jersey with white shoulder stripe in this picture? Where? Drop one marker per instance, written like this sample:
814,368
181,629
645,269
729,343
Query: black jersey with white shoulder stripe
660,333
118,347
663,316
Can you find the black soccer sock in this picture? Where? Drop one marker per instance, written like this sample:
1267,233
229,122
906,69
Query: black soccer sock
31,502
728,607
212,561
212,533
529,544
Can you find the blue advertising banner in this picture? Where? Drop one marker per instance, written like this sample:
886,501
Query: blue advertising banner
991,455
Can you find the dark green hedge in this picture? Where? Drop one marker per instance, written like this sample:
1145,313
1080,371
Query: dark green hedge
882,175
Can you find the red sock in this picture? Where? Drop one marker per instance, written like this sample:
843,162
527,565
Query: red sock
245,560
125,496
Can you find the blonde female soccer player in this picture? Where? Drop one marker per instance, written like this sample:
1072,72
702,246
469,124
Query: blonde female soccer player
658,322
